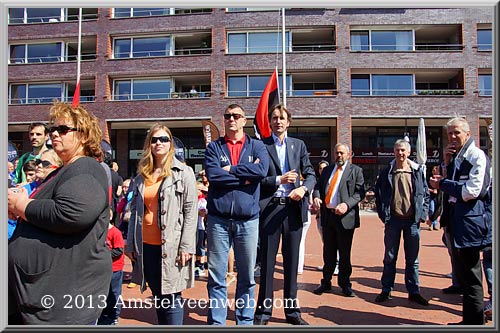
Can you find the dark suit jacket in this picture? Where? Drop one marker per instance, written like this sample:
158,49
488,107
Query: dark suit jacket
298,159
351,191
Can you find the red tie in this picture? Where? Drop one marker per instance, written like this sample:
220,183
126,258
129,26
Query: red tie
332,185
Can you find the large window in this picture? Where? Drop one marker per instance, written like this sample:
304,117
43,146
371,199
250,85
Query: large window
141,12
35,93
35,53
382,85
256,42
35,15
484,39
382,40
142,47
251,85
484,82
140,89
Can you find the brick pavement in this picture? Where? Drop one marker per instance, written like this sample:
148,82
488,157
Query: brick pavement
333,308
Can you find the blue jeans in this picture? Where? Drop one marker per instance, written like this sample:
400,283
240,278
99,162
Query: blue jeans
112,310
221,233
171,312
411,239
432,209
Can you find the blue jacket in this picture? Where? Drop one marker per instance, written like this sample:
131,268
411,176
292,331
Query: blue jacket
384,192
471,220
229,194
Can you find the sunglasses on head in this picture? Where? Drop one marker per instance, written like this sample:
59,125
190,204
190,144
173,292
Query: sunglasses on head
162,138
61,129
236,116
44,163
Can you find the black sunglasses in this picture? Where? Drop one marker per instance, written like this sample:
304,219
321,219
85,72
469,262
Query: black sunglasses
61,129
44,163
162,138
236,116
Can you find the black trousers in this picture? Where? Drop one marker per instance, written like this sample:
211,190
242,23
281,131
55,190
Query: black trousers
336,237
279,222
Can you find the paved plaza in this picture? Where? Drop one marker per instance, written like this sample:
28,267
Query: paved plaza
332,308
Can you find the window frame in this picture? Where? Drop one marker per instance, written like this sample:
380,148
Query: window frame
249,47
131,40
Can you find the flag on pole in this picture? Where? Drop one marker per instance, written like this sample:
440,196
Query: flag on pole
270,97
76,96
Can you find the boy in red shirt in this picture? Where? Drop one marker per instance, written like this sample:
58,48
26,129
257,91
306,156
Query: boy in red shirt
114,240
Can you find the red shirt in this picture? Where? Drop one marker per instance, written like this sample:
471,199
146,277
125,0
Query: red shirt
115,240
235,148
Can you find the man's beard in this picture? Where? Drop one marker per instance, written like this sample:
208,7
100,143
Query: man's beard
340,162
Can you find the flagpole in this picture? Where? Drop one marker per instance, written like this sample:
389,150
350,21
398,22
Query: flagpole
76,97
283,50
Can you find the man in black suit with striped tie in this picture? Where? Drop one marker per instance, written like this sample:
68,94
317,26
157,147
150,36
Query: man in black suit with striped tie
284,206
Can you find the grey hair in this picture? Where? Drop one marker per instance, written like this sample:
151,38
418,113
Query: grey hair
403,142
458,121
343,145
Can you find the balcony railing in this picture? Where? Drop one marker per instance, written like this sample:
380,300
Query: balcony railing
439,47
314,48
407,92
405,48
48,59
52,19
155,96
48,100
442,92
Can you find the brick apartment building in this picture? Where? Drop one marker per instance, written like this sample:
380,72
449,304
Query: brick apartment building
354,75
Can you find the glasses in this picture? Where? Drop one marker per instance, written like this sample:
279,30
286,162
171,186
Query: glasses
163,139
61,129
44,163
236,116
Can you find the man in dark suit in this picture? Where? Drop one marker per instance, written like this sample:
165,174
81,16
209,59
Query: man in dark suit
338,192
284,208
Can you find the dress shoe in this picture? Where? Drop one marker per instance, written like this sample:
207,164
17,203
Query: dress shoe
453,290
260,321
383,296
417,298
347,292
459,323
296,321
321,289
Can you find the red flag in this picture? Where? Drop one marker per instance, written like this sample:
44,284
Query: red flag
270,97
76,96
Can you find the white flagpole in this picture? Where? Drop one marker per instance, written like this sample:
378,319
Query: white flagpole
79,44
283,50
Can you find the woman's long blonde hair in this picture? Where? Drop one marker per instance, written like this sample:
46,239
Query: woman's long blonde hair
146,164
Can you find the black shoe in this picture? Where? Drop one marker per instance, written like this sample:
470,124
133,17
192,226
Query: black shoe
459,323
347,292
453,290
296,321
260,321
383,296
417,298
321,289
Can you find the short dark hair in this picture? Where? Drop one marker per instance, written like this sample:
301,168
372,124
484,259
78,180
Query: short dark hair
29,166
282,110
39,124
234,106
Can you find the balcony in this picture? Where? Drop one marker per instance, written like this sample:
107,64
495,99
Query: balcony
324,40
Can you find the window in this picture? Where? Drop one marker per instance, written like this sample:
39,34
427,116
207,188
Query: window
392,85
35,93
141,12
360,85
142,47
35,15
382,85
251,85
256,42
140,89
485,88
381,40
360,41
391,40
253,9
484,39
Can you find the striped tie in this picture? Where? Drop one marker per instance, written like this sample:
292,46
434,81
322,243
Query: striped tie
332,185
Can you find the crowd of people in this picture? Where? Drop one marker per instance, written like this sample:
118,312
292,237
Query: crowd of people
80,219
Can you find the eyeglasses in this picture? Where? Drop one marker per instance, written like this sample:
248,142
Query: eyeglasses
163,139
236,116
61,129
44,163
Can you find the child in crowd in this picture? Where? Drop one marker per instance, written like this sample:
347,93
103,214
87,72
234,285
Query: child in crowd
201,233
114,240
